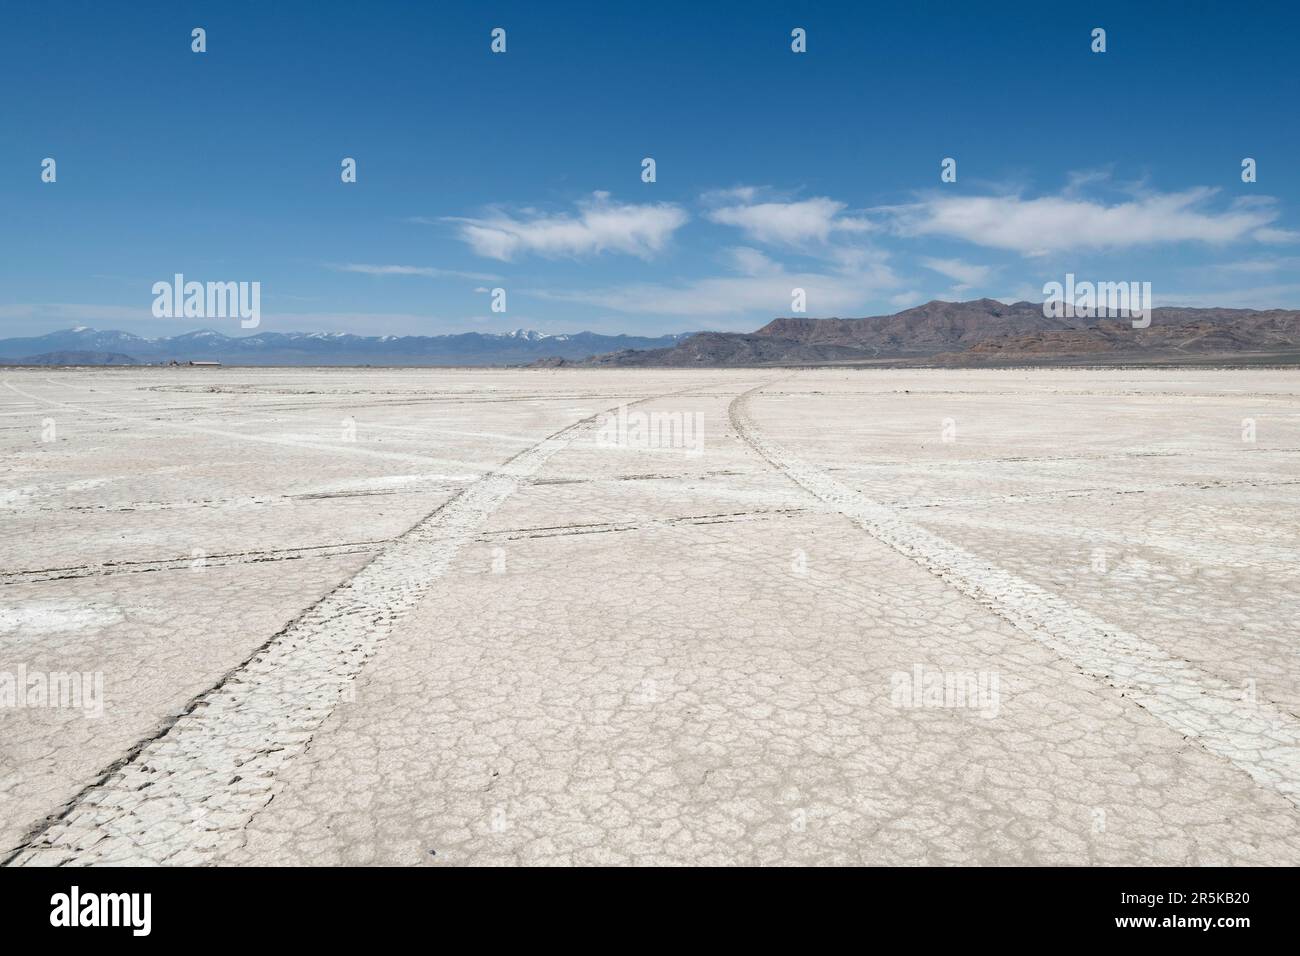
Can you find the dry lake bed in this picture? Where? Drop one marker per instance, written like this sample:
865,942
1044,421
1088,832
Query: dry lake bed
440,617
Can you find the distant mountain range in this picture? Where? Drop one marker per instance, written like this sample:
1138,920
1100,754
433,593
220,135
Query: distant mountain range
984,332
980,332
73,358
86,346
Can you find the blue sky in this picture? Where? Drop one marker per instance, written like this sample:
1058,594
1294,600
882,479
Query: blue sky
522,170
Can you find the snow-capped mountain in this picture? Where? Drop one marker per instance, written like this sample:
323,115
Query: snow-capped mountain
520,346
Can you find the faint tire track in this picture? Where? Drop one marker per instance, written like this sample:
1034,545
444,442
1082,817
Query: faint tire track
1259,738
337,448
223,560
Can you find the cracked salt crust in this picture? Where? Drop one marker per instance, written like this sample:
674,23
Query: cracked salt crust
229,745
51,617
622,660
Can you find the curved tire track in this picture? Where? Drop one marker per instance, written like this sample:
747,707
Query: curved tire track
1260,738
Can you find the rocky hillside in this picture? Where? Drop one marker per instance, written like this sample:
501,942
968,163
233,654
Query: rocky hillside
720,348
926,329
979,332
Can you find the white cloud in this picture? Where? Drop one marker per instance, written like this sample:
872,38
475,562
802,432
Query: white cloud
965,273
787,223
1063,223
600,226
1080,179
426,271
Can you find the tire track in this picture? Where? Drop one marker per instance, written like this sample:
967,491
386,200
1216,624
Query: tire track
1259,738
186,793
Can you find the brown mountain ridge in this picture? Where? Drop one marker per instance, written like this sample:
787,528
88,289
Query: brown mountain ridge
986,331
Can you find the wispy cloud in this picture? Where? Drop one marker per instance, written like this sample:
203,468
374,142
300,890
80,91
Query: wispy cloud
784,223
734,194
1281,296
1067,223
1272,234
752,262
1267,264
601,225
426,271
965,273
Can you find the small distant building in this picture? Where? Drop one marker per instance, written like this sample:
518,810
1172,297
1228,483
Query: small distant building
205,364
